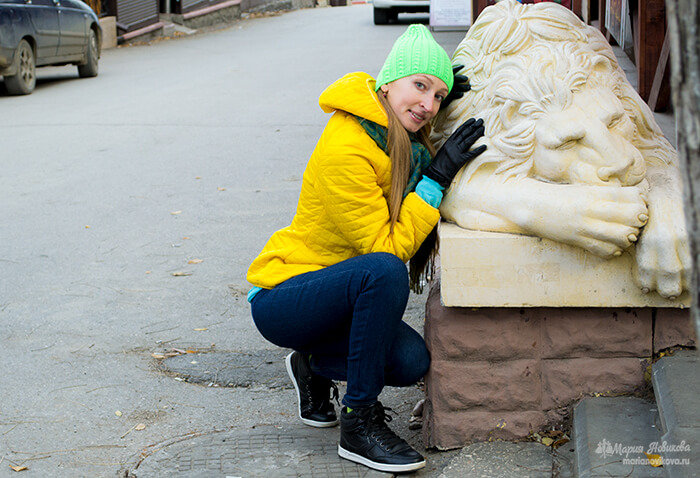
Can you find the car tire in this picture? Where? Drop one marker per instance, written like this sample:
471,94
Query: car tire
24,81
91,67
381,16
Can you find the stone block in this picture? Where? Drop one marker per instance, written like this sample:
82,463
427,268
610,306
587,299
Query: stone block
673,327
595,332
480,334
487,269
491,386
566,380
109,32
676,380
447,430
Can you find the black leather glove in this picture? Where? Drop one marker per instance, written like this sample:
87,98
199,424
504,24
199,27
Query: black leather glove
460,86
455,152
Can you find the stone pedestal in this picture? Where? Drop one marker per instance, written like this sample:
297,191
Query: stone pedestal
520,328
490,269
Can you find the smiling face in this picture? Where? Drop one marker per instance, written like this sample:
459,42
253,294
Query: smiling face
415,99
590,142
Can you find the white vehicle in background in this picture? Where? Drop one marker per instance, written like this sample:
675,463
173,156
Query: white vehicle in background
385,10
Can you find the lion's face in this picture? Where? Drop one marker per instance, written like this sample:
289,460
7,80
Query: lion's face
589,142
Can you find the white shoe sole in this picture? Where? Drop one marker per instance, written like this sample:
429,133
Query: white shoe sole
305,421
348,455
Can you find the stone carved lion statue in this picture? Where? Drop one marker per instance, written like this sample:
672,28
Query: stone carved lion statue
574,154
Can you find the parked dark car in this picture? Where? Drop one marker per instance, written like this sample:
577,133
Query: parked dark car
46,32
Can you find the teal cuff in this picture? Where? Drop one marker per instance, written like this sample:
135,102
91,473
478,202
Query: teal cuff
430,191
252,292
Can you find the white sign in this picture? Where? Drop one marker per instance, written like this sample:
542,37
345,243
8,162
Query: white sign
450,13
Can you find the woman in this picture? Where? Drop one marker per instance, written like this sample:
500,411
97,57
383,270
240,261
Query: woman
333,286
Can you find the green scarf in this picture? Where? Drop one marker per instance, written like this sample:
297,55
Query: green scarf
420,159
421,264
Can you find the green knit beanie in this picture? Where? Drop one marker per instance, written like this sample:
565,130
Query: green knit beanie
416,51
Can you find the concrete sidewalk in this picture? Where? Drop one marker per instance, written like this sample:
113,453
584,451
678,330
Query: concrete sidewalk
290,449
294,450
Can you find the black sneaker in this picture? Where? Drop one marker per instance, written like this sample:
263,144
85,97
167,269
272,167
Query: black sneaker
313,393
366,438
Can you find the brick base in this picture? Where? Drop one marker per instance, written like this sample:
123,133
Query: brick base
502,373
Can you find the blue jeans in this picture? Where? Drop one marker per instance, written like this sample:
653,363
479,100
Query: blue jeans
348,316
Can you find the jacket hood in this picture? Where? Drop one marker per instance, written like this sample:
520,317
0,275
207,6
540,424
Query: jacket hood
354,93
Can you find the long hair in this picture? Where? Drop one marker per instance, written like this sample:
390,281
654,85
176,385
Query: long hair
400,151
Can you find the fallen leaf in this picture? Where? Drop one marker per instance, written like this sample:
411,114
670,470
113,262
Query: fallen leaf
198,177
19,468
201,329
140,426
221,189
560,442
148,272
654,460
185,238
195,261
86,227
189,351
118,413
181,274
546,441
175,213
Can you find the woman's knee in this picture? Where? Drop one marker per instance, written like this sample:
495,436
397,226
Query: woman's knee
410,372
390,273
409,360
392,266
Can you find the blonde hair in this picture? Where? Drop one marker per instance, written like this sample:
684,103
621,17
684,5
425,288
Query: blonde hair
400,151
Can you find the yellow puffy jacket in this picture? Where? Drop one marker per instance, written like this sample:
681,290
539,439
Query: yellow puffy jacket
343,207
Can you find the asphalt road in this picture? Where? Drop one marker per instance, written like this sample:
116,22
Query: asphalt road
130,207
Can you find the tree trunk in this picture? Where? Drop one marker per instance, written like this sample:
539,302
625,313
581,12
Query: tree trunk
684,31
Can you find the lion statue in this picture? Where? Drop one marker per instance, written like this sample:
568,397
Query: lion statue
574,154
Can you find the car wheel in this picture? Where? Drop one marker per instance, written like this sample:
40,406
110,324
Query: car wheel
90,68
24,81
381,16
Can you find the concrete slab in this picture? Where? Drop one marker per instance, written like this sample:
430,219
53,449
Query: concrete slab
680,453
611,435
677,390
502,460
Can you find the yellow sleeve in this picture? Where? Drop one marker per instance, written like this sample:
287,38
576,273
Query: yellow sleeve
349,189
